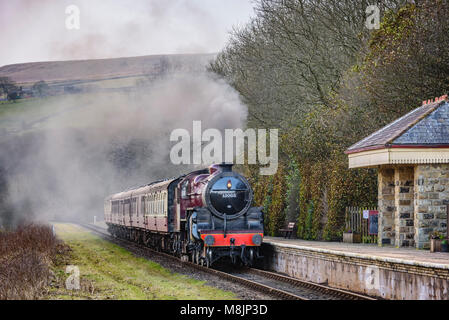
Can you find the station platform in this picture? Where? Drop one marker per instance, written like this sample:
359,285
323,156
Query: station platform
410,256
385,272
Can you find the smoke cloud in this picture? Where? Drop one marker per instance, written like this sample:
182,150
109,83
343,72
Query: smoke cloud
62,165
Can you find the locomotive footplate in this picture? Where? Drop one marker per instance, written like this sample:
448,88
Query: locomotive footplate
242,244
237,238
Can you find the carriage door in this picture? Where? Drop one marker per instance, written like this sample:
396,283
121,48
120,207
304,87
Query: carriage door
143,211
134,210
177,210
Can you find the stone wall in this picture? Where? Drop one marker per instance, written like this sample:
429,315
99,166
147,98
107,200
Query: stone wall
383,277
431,200
404,206
412,204
386,231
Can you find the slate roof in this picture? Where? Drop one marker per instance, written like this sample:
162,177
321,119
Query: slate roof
427,125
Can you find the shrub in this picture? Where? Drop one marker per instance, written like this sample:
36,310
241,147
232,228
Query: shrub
26,255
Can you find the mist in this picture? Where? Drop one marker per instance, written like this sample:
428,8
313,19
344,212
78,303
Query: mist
35,30
62,166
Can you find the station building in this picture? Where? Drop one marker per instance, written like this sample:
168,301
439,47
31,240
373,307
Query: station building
412,157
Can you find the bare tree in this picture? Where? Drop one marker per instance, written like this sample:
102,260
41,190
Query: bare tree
7,85
41,88
291,57
10,89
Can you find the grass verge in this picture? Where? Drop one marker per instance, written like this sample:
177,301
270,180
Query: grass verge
108,271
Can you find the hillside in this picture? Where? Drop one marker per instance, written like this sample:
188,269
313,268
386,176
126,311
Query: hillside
98,69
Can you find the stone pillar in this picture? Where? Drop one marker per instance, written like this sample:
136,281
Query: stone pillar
404,206
386,230
431,199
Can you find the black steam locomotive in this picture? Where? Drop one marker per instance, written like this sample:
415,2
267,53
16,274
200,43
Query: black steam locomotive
202,216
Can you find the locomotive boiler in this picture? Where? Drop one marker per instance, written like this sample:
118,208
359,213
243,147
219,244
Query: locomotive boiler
202,216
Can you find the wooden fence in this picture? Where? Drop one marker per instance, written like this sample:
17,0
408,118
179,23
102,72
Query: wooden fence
357,224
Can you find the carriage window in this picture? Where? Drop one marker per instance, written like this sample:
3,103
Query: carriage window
184,188
162,204
154,204
151,204
142,204
147,204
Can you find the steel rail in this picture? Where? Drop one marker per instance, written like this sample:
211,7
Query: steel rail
344,294
334,292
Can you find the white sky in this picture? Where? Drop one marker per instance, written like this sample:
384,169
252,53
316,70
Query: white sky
35,30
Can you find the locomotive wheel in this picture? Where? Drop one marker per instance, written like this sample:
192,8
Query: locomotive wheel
197,257
208,258
251,256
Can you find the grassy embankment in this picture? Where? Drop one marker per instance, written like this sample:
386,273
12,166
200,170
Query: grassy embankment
108,271
62,111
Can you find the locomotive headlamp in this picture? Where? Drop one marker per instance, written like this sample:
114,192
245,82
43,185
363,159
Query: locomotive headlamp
229,184
209,240
257,239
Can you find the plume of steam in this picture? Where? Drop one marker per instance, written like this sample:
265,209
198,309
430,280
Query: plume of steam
97,144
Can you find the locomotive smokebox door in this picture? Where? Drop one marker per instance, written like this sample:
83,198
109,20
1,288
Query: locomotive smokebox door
228,194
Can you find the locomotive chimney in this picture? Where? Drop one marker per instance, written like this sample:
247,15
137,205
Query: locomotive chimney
226,167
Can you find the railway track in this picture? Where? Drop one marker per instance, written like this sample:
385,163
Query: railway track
274,284
316,291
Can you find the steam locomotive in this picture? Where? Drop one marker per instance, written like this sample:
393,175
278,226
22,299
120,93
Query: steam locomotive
201,216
